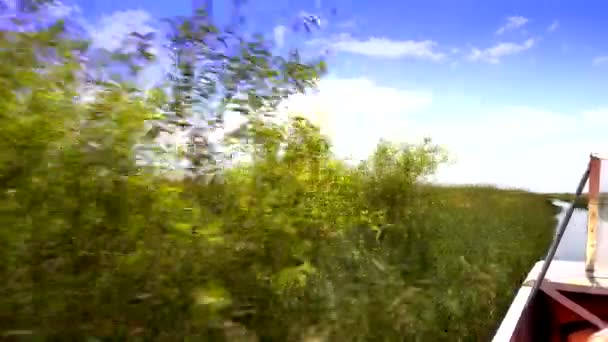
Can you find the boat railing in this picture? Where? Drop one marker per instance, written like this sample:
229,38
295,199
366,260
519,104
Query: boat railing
596,252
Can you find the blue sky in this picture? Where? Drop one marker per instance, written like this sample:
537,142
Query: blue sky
515,90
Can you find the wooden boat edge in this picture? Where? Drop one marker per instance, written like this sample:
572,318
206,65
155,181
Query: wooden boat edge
561,275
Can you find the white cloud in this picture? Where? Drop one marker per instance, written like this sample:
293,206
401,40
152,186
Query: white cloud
356,113
511,146
109,32
554,26
597,116
279,35
600,60
384,47
48,13
512,23
59,9
112,30
495,53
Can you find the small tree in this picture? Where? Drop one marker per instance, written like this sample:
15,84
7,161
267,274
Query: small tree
219,72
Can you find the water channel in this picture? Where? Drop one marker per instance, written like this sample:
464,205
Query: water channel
572,246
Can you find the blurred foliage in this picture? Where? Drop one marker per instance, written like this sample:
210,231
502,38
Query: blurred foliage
218,71
292,246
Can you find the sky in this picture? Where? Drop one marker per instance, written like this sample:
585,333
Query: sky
513,90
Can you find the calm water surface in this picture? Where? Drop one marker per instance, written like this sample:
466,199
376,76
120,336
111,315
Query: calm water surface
572,246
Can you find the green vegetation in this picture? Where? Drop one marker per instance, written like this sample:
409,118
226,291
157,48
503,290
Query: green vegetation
292,246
